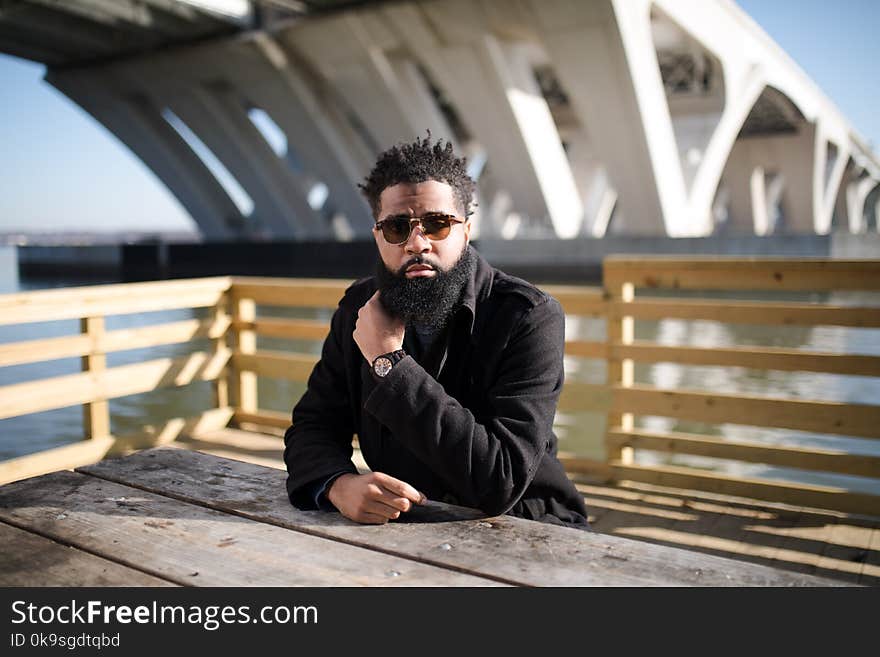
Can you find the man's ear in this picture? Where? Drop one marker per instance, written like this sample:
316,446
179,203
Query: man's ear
467,231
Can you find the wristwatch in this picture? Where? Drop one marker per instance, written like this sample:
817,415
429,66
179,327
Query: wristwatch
382,364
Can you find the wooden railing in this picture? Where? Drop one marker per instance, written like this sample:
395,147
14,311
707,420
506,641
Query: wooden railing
625,276
97,383
234,364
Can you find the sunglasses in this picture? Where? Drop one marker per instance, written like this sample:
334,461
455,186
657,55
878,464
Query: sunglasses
435,226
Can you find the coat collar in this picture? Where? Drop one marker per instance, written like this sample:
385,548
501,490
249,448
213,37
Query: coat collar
476,290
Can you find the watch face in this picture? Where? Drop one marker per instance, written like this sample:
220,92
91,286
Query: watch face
382,366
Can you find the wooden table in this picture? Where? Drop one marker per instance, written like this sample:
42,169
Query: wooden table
168,516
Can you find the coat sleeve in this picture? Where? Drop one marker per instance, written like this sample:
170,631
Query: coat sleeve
488,461
318,444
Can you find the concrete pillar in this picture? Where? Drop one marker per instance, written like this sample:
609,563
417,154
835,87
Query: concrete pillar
827,177
739,100
492,86
601,54
219,120
312,133
594,186
790,156
872,219
350,52
857,194
140,126
190,84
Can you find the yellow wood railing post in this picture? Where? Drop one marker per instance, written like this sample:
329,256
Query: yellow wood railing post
244,383
220,317
620,330
96,414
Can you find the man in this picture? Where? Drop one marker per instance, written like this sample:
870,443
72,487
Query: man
448,370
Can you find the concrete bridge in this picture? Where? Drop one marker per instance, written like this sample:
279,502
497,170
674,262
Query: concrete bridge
676,118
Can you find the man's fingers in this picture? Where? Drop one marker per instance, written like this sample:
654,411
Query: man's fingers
381,509
394,501
400,488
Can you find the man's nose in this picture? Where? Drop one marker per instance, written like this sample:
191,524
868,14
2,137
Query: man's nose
417,242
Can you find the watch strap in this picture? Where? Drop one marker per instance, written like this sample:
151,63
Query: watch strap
383,364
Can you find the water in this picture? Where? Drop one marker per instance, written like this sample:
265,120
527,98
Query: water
580,433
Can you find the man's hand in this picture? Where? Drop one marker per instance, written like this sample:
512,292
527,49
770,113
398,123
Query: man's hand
376,332
373,498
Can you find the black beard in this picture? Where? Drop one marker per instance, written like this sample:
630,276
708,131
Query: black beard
427,301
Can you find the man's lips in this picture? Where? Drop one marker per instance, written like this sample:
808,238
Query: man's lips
419,270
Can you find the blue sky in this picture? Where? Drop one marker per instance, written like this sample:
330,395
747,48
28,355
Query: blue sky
60,170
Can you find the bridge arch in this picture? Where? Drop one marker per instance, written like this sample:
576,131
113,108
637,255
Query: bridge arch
766,184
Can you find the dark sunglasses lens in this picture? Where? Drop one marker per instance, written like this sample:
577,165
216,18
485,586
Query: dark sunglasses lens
437,228
395,231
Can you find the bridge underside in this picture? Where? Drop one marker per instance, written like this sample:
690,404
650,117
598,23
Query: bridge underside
578,119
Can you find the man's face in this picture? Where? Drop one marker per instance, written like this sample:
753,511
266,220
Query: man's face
416,200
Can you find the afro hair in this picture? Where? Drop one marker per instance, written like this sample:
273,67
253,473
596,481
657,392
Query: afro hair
417,162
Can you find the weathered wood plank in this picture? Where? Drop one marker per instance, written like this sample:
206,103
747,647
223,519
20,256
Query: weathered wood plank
584,349
761,358
750,312
814,458
819,497
735,532
91,451
96,413
857,420
60,391
620,329
803,541
34,351
294,329
305,292
114,291
506,548
276,364
846,550
100,300
870,574
721,273
197,546
27,559
57,458
579,300
263,417
243,390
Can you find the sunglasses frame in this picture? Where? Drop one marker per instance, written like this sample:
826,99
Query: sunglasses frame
453,219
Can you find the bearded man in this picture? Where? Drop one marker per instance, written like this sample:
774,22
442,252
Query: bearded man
448,370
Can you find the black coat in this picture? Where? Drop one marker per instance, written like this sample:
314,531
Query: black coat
479,433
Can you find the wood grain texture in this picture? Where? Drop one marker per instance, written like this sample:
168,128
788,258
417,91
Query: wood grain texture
103,300
809,495
276,364
856,420
305,292
752,312
27,559
760,358
90,451
193,545
813,458
505,548
60,391
727,273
